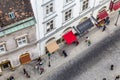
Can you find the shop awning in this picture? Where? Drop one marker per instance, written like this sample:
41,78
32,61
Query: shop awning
25,58
87,24
69,37
103,14
111,5
116,5
52,46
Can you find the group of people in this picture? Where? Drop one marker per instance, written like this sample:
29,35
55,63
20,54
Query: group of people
38,66
87,40
117,77
102,24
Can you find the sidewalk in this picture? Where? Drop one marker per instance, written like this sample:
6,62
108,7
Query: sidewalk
95,35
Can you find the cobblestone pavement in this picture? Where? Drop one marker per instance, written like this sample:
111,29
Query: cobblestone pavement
58,62
96,64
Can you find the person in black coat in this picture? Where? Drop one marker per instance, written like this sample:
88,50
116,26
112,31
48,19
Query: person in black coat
64,53
104,28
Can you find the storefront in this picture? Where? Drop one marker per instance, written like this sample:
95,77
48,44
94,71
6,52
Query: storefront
25,58
102,15
84,26
52,46
69,37
102,18
114,5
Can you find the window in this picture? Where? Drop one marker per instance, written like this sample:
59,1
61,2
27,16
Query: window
49,8
60,40
49,25
67,1
85,4
2,48
68,15
11,15
22,41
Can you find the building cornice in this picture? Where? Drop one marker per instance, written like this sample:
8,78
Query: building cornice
18,26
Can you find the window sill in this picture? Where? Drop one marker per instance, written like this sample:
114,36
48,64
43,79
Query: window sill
19,46
67,21
66,4
47,15
83,11
49,31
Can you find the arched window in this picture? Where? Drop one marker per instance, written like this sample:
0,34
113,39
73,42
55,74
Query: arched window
67,29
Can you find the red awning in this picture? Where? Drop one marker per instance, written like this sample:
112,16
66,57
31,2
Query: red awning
116,5
103,14
69,37
111,5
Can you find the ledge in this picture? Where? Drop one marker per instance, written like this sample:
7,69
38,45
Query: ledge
18,26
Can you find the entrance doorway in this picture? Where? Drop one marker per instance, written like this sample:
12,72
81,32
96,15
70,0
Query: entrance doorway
5,65
25,58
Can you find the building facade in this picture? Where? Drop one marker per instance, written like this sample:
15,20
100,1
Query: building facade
17,33
56,17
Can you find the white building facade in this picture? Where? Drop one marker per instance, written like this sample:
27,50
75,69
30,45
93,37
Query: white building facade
54,17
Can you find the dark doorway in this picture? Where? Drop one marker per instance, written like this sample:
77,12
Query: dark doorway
5,65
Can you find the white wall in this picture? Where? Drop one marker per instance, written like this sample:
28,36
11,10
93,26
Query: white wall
76,5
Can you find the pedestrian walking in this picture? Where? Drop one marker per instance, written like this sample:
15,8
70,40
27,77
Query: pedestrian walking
107,21
76,42
104,28
49,64
102,24
24,70
117,77
26,73
64,53
36,67
11,78
49,55
104,78
87,40
111,67
41,70
40,61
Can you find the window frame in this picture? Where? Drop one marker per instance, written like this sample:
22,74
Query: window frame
85,5
11,15
22,39
68,1
4,47
68,14
49,8
48,27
